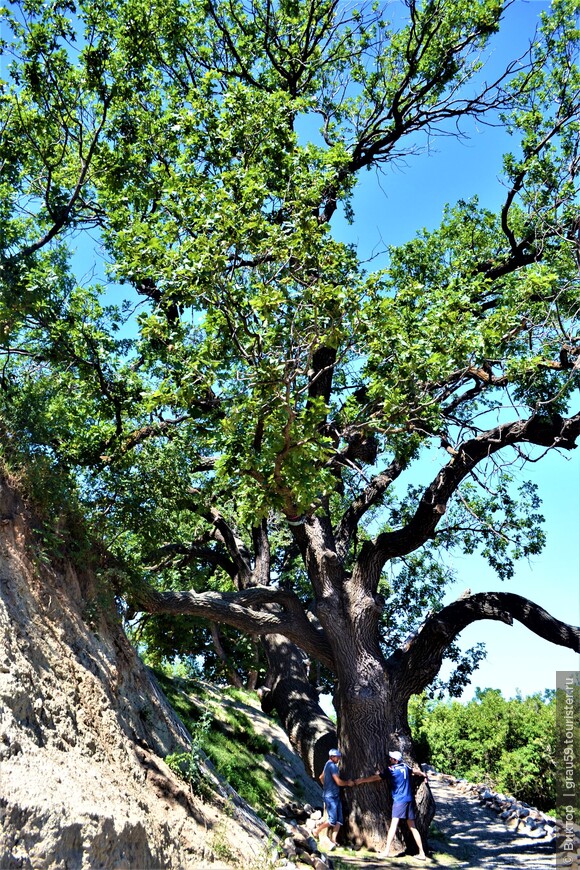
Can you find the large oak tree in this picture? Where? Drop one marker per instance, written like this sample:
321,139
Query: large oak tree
244,427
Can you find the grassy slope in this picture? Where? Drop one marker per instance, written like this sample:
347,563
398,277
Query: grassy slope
245,746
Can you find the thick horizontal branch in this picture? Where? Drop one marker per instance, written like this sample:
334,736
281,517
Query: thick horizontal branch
419,661
543,431
257,611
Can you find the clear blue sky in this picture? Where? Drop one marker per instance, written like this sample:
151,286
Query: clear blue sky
518,659
406,200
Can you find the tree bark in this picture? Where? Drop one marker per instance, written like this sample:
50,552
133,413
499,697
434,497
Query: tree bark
372,716
370,701
296,701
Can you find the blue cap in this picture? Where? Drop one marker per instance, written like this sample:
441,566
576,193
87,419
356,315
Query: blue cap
335,752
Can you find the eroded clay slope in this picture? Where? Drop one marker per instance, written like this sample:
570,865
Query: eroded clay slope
83,732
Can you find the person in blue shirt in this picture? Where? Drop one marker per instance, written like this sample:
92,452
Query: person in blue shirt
399,776
331,784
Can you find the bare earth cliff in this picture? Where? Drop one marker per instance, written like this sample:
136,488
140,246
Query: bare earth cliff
83,732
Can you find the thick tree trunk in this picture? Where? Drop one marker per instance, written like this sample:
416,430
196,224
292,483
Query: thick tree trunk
372,722
371,703
296,702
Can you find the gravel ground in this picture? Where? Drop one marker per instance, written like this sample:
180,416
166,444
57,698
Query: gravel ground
475,837
465,834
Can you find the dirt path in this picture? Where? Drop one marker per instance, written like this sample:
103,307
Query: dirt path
473,836
466,834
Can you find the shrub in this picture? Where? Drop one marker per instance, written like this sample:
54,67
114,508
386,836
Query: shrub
509,744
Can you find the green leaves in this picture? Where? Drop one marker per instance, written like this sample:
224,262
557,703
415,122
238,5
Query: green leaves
509,744
260,368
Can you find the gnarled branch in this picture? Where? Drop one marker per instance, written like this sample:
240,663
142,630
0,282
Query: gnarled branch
543,431
365,501
419,661
258,611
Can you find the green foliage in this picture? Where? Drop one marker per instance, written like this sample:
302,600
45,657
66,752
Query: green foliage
510,744
203,150
187,765
226,735
233,763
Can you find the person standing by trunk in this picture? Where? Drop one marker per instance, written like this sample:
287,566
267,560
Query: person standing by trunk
399,776
331,784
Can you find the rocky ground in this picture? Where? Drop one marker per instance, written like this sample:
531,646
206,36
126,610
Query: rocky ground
464,834
83,734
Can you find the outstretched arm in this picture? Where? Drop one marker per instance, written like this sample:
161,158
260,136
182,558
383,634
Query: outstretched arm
339,781
416,771
375,777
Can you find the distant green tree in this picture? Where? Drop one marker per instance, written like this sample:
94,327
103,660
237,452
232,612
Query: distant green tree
508,743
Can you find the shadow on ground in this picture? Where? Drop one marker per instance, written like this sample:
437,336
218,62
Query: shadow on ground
464,834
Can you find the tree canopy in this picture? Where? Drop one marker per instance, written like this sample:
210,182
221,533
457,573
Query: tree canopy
241,429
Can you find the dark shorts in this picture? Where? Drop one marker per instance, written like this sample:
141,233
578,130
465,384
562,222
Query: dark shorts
333,809
403,810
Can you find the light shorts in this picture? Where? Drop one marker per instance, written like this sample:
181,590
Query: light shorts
403,810
333,809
